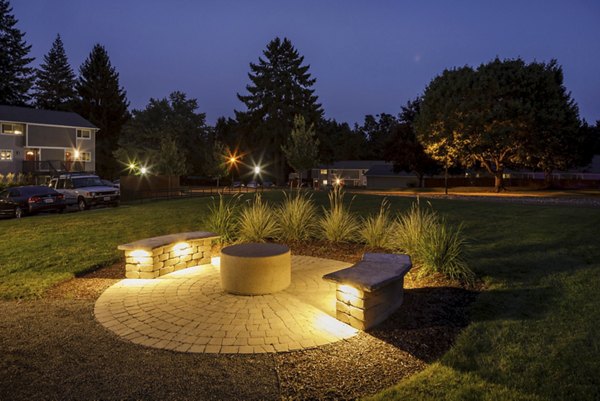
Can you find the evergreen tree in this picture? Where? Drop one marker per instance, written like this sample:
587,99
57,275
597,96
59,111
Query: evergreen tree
280,88
104,103
16,78
55,80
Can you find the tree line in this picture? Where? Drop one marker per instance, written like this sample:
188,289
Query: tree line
503,114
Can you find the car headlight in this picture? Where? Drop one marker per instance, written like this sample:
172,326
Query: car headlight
92,194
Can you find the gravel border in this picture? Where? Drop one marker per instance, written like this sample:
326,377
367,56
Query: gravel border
54,349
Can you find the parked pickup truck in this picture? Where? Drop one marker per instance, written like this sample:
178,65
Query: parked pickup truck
85,190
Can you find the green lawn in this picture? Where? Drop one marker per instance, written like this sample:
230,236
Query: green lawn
534,333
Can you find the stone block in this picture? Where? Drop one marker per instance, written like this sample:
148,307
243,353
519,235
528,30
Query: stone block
191,263
186,258
205,261
153,274
158,251
180,266
166,270
146,268
171,262
132,274
205,249
198,255
131,260
131,267
163,257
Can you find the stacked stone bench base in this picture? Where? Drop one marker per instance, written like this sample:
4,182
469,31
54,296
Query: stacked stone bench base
157,256
371,290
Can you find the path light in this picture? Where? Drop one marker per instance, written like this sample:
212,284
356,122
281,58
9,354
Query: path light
143,170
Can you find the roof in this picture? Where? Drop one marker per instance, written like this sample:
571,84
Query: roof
385,170
354,164
43,117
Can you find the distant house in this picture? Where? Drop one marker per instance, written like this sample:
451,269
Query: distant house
349,173
45,142
382,176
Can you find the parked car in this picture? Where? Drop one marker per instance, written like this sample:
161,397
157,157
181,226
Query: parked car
237,184
268,184
30,199
85,190
253,184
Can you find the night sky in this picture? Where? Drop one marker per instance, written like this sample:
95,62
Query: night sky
368,56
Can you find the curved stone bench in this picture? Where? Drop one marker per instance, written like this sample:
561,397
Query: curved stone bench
370,291
255,269
157,256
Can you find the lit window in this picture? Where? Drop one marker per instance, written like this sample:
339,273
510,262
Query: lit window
85,156
84,134
324,172
6,154
13,129
324,182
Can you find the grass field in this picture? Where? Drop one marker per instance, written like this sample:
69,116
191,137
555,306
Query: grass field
534,333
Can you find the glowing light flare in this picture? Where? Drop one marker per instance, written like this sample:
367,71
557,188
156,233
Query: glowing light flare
182,249
333,327
77,154
140,255
143,170
348,294
215,261
257,169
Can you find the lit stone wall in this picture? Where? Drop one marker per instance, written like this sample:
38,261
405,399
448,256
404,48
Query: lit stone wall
371,290
363,310
165,259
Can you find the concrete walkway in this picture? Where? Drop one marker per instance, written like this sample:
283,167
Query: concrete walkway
188,311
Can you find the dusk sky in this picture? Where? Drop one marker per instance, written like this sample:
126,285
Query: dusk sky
368,56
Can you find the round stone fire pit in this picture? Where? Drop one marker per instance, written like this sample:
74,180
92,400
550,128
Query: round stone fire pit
255,269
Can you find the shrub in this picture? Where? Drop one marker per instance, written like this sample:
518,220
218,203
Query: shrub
222,218
442,251
338,224
296,218
433,246
376,230
411,226
256,222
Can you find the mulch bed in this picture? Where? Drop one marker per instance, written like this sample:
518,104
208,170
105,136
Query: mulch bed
54,349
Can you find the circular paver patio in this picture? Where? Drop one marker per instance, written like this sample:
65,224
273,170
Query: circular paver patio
188,311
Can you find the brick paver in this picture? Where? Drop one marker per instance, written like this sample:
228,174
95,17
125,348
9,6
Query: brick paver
187,311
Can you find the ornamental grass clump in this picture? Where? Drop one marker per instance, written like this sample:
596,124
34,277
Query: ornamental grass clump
433,245
222,217
442,250
410,228
338,224
376,230
256,222
296,218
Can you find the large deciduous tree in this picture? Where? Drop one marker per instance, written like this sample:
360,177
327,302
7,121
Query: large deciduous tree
503,113
167,131
104,103
280,88
54,80
302,150
16,76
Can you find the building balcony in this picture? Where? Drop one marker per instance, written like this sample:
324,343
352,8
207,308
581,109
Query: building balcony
56,166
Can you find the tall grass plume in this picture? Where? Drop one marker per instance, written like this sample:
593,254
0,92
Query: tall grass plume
256,222
296,218
338,224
